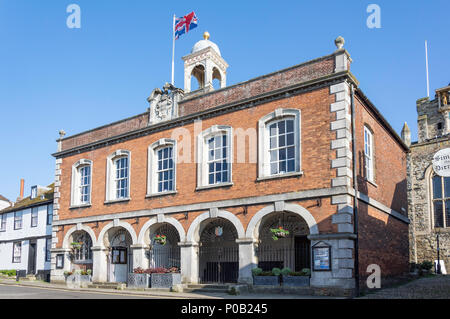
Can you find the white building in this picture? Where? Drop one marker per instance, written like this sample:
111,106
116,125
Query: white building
26,232
4,202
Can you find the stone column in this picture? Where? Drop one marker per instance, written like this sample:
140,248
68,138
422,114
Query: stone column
247,260
189,262
139,258
57,275
100,267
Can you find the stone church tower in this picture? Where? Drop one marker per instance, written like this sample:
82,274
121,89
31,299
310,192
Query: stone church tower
428,193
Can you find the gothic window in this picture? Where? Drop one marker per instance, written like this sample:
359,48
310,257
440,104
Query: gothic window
81,183
441,201
215,154
118,176
279,144
368,154
162,167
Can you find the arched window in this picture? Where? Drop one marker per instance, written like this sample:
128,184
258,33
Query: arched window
83,252
279,144
81,183
215,157
162,167
441,201
118,176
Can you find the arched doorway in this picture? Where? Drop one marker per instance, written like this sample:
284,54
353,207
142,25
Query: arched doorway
218,252
292,251
162,254
120,258
81,253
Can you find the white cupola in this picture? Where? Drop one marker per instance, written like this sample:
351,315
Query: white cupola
206,64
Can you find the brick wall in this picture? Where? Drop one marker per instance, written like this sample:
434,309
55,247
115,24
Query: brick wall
389,162
383,240
316,158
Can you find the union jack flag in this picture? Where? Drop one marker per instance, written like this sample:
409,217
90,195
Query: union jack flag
184,24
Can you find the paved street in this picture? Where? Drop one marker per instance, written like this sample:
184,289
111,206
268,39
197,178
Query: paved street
20,292
435,287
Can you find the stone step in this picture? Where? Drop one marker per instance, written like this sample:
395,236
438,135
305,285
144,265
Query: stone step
104,285
28,278
207,288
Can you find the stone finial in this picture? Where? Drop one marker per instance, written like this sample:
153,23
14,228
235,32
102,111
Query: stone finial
406,135
339,42
62,133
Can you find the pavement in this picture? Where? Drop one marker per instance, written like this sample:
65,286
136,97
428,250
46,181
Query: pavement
10,289
428,287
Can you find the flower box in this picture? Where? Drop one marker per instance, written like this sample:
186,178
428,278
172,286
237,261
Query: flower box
77,280
141,281
295,281
266,280
166,280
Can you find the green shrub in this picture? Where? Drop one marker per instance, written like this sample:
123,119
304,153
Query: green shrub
266,273
286,271
9,273
426,265
257,271
306,272
276,271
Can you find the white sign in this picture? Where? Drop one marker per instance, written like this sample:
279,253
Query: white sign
441,162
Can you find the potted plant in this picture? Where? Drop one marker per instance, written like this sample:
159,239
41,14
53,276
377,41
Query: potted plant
266,278
296,279
139,278
160,239
165,277
74,247
279,232
425,267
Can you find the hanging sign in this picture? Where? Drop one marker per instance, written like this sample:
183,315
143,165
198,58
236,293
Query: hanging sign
441,162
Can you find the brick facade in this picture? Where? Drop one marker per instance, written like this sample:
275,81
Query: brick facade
320,194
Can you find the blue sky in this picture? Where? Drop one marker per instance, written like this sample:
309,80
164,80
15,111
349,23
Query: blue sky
53,77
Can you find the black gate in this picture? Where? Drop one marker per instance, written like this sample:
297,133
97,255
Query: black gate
218,253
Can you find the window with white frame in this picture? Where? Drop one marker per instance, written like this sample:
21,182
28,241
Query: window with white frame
118,176
368,154
17,252
48,246
3,222
162,167
215,156
49,214
279,143
17,220
441,201
34,216
81,183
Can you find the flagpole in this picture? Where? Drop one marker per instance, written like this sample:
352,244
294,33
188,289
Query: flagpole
426,61
173,50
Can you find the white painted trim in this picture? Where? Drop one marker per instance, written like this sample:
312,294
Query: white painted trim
293,208
170,220
75,182
264,135
85,228
194,228
152,178
122,224
202,153
110,187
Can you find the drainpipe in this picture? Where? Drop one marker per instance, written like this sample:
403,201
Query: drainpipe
355,187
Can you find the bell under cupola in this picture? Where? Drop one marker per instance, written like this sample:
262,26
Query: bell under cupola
206,64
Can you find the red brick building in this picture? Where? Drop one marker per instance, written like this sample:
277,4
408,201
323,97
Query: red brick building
215,171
